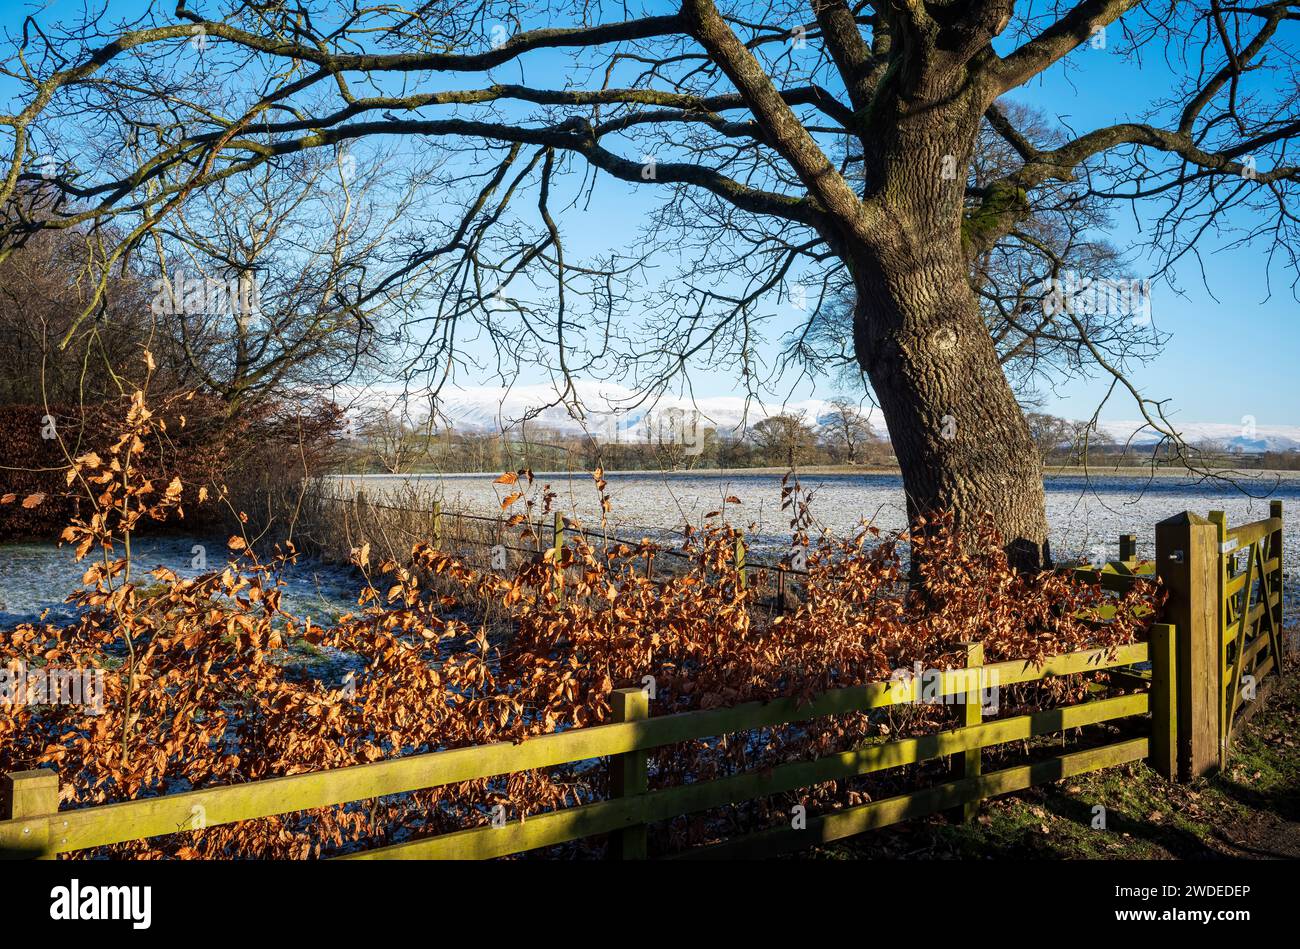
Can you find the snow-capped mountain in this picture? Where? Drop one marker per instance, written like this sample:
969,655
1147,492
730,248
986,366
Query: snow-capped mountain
1246,436
602,409
611,411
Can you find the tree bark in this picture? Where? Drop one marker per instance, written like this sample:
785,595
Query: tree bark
961,439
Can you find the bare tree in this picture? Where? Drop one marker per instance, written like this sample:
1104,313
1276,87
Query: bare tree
1087,436
43,289
676,437
1050,433
733,115
391,439
258,276
848,427
1025,282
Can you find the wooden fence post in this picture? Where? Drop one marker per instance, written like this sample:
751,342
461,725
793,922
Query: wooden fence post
30,794
437,525
558,548
971,712
740,560
1128,548
1226,686
1187,561
629,774
1164,701
1274,549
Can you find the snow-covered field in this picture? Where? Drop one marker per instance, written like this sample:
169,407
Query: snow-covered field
37,575
1083,512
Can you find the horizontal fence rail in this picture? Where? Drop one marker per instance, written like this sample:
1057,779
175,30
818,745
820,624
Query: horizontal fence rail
562,826
851,821
562,526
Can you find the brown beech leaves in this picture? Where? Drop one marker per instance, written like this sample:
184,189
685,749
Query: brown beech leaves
442,653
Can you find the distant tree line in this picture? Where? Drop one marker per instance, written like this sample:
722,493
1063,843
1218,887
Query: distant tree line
384,441
381,440
1062,442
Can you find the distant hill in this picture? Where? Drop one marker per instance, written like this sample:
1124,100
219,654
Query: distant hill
611,408
1223,436
611,412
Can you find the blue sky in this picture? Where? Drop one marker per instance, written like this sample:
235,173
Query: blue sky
1232,351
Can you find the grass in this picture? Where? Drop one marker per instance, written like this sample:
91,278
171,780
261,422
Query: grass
1251,809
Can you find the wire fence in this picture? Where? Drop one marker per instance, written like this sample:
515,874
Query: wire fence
784,579
567,526
782,576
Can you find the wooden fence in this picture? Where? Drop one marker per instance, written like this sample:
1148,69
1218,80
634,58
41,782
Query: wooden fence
35,827
1179,690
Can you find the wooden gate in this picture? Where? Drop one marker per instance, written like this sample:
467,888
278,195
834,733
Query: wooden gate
1225,595
1250,615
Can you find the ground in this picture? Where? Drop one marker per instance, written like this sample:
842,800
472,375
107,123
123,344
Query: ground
1250,810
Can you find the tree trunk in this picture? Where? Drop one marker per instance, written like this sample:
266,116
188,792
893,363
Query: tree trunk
960,436
961,439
